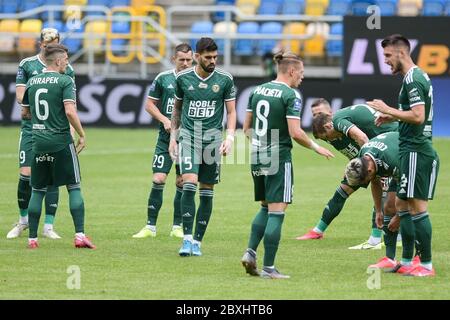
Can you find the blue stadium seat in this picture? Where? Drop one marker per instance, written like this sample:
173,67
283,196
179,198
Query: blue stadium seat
57,24
433,8
201,28
106,3
245,47
220,15
73,44
266,45
11,6
269,8
359,7
293,7
117,45
120,3
29,5
447,8
387,7
335,47
338,7
57,14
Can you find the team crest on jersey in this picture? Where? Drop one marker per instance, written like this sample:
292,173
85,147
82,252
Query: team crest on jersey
202,85
215,88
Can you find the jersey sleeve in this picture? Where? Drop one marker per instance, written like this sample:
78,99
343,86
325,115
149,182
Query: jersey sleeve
294,106
155,91
179,94
25,100
342,124
69,91
230,91
416,93
21,77
249,103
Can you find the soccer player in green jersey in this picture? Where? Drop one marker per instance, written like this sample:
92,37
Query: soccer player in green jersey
418,161
346,130
201,94
50,101
28,68
273,115
377,159
162,94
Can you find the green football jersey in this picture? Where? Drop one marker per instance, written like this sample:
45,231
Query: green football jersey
203,101
383,149
361,116
271,104
163,90
416,89
45,95
28,68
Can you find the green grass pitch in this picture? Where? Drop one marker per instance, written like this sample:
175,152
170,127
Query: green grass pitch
116,173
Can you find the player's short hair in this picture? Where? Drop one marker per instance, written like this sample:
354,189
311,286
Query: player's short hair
183,47
205,44
49,34
285,59
318,124
51,50
356,171
320,101
396,40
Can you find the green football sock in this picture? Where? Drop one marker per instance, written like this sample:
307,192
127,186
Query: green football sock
272,236
76,205
34,211
376,233
23,194
332,209
51,204
407,231
203,213
177,207
390,238
155,200
423,228
258,227
188,207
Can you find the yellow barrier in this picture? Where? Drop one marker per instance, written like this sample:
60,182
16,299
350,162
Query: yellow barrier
125,36
146,32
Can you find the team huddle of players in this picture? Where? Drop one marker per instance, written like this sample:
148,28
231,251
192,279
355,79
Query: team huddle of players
390,148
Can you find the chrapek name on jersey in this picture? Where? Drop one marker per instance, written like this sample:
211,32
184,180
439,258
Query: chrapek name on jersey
45,95
28,68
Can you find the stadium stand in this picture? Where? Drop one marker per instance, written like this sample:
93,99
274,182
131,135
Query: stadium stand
316,7
294,28
200,28
96,29
244,47
335,47
266,45
387,7
248,6
27,43
409,7
433,7
221,28
338,7
7,41
293,7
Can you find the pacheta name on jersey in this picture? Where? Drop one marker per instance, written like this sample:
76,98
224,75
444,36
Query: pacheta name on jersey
267,92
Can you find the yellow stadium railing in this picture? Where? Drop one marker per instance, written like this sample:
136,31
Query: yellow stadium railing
147,33
130,36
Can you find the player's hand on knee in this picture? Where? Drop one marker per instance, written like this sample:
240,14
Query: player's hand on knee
394,225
